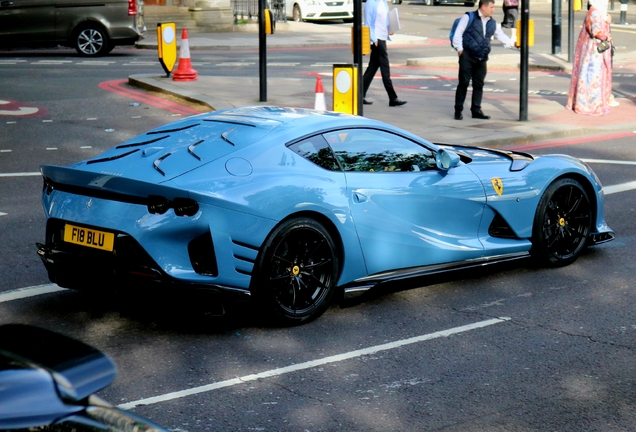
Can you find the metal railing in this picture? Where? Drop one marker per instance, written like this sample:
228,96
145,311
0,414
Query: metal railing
248,9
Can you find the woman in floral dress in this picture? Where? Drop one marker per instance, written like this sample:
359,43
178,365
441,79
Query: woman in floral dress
591,84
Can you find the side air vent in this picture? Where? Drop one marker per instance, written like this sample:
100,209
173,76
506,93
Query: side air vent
500,228
202,257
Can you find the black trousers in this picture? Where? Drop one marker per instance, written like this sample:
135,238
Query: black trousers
379,59
510,16
473,69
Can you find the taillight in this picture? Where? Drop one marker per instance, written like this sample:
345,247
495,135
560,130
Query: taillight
132,7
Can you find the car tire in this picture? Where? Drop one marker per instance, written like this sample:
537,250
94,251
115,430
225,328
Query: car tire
296,272
562,223
469,4
91,40
297,16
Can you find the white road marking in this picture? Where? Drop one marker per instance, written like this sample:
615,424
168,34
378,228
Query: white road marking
52,62
235,64
33,291
20,174
140,64
623,187
313,363
606,161
3,214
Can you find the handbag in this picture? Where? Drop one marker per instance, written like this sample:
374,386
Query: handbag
603,46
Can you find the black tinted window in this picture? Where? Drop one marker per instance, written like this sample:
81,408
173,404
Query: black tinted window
370,150
316,150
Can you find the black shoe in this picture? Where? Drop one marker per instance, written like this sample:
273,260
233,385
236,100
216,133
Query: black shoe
367,102
459,115
396,102
480,115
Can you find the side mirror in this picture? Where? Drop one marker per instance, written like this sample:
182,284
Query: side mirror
446,159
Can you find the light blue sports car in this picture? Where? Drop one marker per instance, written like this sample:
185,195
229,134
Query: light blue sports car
294,208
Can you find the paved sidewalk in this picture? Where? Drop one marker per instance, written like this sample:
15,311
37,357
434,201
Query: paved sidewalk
428,113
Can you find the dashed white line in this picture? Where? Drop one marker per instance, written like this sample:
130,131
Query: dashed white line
20,174
235,64
53,62
606,161
33,291
623,187
313,363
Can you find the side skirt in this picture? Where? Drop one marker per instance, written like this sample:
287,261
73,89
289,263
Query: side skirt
362,285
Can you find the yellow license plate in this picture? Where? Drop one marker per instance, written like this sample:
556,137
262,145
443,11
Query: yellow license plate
89,237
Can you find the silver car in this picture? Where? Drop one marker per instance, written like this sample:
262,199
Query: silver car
92,27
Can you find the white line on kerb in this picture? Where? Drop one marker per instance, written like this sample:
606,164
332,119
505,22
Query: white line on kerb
312,363
33,291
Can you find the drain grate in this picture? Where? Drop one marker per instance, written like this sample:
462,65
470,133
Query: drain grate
493,125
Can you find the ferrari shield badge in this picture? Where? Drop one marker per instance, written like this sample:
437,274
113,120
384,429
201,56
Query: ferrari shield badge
497,185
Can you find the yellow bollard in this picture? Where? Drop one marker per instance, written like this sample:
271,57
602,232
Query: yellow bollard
167,46
576,6
530,33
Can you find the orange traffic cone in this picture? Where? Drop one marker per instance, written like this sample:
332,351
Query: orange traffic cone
184,70
320,96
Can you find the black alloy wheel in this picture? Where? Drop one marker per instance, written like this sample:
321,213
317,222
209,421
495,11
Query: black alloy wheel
297,271
562,223
91,40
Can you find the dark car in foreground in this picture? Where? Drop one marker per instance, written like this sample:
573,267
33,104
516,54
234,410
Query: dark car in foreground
48,381
293,207
93,28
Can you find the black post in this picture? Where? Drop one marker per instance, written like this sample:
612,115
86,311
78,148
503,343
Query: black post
262,51
623,11
357,50
523,72
556,26
571,30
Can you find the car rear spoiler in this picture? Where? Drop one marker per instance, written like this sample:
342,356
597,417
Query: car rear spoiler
78,370
157,197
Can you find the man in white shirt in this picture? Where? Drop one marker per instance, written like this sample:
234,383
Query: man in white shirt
472,42
376,16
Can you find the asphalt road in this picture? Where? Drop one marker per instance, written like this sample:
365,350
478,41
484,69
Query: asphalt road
512,347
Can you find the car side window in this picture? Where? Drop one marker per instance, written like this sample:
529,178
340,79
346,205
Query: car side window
316,150
371,150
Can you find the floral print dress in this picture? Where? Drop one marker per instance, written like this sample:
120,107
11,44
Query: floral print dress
591,84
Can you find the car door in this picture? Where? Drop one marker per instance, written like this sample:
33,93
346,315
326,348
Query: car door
407,212
26,21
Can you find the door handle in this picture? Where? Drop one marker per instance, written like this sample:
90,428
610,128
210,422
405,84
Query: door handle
359,198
